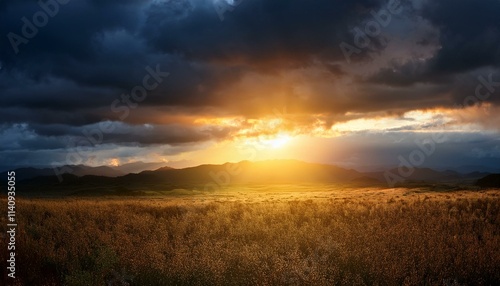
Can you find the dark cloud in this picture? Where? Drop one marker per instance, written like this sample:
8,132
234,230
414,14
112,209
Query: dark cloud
408,74
55,136
91,52
266,55
469,34
469,37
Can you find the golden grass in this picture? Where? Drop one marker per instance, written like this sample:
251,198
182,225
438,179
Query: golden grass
259,237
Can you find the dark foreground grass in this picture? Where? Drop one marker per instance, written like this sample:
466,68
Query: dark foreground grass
420,239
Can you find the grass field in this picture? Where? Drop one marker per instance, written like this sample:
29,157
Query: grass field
282,235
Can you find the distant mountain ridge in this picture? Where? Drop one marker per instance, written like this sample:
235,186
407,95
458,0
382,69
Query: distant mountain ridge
275,171
466,169
430,175
203,177
490,181
137,167
77,170
212,177
26,173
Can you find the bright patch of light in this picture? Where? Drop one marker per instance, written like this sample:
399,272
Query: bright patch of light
279,142
268,142
115,162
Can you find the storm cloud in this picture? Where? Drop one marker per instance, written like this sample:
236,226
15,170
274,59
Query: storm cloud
64,73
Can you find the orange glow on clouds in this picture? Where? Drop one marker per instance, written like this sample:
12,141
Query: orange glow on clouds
268,142
270,138
114,162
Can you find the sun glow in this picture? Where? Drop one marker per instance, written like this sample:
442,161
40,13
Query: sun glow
265,142
279,142
114,162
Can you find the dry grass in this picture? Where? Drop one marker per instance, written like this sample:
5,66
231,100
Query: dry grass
354,237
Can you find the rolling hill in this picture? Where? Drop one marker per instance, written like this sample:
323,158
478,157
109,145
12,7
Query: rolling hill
213,177
201,177
137,167
245,172
490,181
431,176
77,170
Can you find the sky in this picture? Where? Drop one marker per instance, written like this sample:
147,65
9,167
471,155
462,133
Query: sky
363,84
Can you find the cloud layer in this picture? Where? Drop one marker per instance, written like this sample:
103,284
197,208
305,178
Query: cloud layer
85,63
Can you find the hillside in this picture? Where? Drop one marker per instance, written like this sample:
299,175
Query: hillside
490,181
215,177
430,176
77,170
265,172
137,167
205,177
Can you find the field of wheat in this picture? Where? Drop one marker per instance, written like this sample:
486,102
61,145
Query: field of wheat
329,237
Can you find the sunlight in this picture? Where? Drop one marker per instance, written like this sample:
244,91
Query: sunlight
265,142
279,142
114,162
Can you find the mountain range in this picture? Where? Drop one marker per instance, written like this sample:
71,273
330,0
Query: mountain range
83,170
77,170
209,177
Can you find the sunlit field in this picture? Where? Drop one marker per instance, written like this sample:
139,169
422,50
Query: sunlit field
282,235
